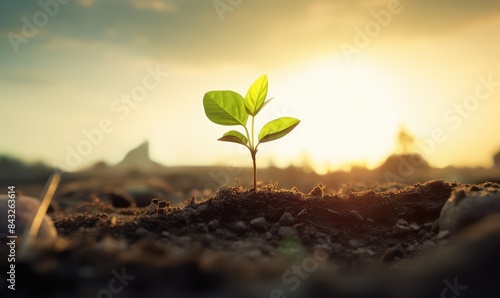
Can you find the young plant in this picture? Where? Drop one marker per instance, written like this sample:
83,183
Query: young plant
230,109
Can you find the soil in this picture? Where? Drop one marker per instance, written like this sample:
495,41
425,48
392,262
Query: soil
378,240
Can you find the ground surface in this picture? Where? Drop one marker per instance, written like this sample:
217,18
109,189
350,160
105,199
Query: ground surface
358,241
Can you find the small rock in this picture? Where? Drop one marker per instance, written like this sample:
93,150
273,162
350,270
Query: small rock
240,227
443,234
141,231
26,208
153,209
355,215
467,206
317,191
428,244
287,219
201,227
402,222
364,251
414,227
400,230
355,243
391,253
259,224
213,225
164,204
287,232
427,236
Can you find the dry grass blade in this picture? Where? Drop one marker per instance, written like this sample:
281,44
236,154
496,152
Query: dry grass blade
48,193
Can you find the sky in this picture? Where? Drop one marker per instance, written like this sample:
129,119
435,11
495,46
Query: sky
88,80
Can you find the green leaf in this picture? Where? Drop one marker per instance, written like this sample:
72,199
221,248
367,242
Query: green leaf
256,95
234,137
225,108
277,129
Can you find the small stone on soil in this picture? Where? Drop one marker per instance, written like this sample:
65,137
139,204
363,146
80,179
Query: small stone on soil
364,251
141,231
428,244
392,253
240,227
402,222
467,206
400,230
287,219
443,235
153,209
213,225
26,208
259,224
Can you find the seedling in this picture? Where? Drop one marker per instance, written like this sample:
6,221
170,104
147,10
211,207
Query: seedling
229,108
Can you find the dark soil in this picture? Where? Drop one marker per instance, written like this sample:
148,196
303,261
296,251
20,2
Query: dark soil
241,243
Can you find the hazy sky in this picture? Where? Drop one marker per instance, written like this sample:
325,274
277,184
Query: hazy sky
352,71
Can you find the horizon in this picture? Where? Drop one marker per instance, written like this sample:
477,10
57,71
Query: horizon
99,77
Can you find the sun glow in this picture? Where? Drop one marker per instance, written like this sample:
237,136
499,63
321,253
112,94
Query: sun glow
349,113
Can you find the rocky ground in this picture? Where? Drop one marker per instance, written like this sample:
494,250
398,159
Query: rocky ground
384,240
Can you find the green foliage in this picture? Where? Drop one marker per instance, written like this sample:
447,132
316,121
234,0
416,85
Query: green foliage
277,129
225,108
230,109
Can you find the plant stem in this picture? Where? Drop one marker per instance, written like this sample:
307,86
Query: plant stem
254,152
254,169
253,126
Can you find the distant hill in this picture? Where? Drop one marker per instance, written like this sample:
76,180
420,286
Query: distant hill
14,169
138,159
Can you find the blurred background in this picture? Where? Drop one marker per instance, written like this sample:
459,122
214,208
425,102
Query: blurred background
381,87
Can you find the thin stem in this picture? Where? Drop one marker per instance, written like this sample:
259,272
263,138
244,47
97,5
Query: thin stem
253,129
254,170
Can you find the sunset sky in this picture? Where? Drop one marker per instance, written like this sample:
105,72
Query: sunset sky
354,72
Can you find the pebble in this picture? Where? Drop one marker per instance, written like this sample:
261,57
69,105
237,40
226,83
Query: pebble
26,208
240,227
443,234
392,253
355,243
364,251
201,227
402,222
467,206
259,224
213,225
141,231
400,230
287,232
286,219
428,244
414,227
153,208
